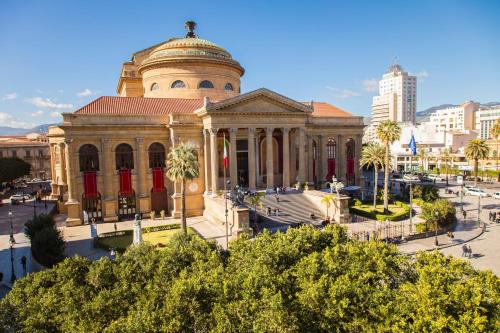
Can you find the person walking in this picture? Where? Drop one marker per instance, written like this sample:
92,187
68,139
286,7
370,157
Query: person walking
465,214
23,263
464,250
469,251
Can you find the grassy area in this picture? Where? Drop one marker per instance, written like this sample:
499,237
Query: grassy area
397,211
157,238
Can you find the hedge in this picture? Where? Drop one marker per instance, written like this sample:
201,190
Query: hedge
381,217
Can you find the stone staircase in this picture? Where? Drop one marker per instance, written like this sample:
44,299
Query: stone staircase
294,210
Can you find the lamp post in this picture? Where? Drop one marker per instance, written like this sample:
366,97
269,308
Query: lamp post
11,243
228,182
436,243
479,210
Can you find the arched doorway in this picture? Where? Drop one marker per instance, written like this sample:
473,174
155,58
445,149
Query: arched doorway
350,147
331,153
159,194
124,157
89,165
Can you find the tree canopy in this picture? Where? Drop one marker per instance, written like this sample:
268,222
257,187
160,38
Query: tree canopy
12,168
304,280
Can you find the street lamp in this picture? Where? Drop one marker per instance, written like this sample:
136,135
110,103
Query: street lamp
11,243
436,243
479,210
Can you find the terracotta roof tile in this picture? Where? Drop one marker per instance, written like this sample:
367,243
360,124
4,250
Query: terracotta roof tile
113,105
322,109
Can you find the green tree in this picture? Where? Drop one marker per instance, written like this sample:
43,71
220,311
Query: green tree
256,200
440,209
495,133
372,155
12,168
476,149
446,157
388,131
47,242
182,165
427,193
423,156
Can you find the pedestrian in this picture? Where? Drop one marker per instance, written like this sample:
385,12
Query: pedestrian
277,198
23,263
115,226
464,250
112,253
469,250
452,236
494,216
465,214
278,191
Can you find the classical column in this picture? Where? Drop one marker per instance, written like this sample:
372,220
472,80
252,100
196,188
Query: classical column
302,155
251,159
286,157
214,161
269,157
62,160
233,161
357,157
323,157
310,158
206,157
340,158
71,179
139,144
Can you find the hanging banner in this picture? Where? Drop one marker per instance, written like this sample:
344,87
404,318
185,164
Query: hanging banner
158,180
125,182
90,184
331,168
350,167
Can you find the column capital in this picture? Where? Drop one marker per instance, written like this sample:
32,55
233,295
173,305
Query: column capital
286,130
68,141
233,130
213,131
269,130
139,140
104,140
251,130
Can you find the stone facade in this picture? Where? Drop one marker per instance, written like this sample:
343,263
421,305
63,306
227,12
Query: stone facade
273,140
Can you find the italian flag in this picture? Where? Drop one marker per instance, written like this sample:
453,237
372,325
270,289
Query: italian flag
226,157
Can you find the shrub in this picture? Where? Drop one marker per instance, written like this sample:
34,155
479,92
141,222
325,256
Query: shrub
379,215
427,193
445,212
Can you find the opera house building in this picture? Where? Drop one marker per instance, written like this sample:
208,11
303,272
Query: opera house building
108,158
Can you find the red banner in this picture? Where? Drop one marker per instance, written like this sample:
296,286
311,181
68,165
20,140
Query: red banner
158,180
331,168
90,184
125,182
350,167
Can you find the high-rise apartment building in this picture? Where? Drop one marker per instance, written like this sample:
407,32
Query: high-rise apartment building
485,118
455,118
397,100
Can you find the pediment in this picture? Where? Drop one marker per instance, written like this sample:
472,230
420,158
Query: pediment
261,101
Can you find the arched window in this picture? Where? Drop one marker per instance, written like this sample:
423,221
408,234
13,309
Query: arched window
331,148
124,156
228,87
178,84
156,155
155,86
206,84
89,158
350,146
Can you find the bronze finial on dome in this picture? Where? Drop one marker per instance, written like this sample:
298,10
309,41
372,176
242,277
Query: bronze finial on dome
190,26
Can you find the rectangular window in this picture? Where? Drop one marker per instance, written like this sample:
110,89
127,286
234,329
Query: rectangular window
28,153
14,153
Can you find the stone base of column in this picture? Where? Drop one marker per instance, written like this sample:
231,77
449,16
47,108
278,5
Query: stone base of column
73,214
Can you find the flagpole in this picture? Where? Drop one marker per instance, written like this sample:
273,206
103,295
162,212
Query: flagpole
225,193
411,196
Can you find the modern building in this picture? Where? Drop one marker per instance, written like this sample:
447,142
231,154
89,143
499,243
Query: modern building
32,148
455,118
397,100
109,157
484,120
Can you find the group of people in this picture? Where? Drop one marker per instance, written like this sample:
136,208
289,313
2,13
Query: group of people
466,251
494,217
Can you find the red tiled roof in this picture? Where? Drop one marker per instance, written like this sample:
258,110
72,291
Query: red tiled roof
322,109
114,105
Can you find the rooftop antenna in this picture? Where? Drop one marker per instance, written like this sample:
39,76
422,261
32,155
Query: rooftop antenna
190,26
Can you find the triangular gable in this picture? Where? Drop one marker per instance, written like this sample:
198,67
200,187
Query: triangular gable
262,93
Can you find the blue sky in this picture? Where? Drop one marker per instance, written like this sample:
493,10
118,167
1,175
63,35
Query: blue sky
56,56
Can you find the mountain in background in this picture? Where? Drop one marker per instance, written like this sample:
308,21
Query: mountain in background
4,130
425,114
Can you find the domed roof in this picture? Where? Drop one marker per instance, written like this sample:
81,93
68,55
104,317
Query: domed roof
189,48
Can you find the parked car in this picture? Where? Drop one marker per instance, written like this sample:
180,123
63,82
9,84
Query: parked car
435,177
410,177
496,195
476,192
16,198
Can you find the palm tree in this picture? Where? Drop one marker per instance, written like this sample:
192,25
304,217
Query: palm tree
327,200
476,150
423,156
445,157
182,165
388,131
495,133
373,155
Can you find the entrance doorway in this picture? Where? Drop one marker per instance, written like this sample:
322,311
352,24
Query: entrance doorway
126,206
93,206
242,160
